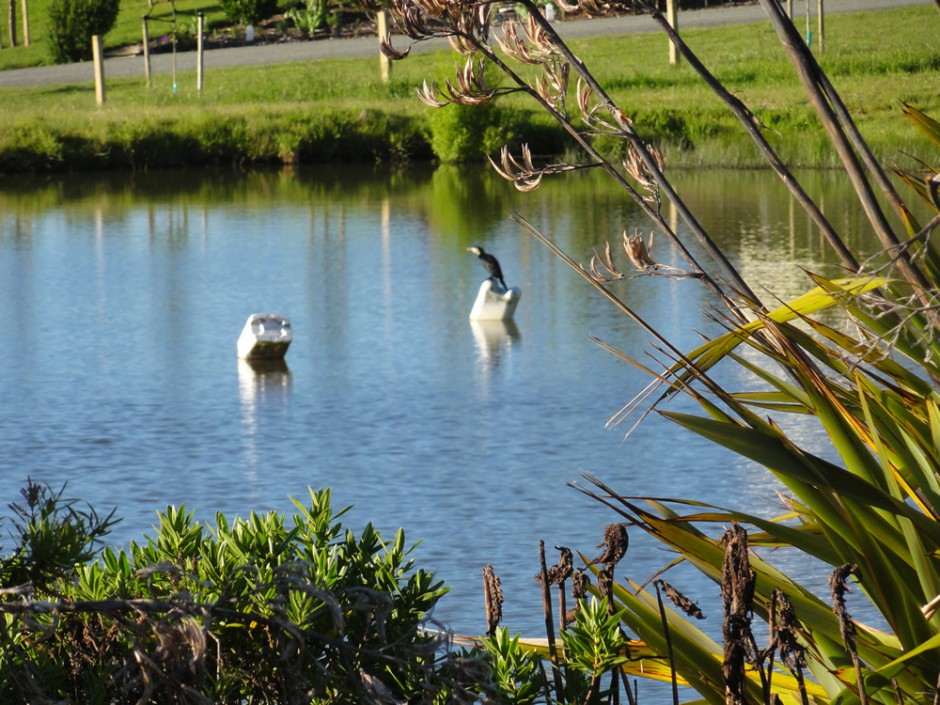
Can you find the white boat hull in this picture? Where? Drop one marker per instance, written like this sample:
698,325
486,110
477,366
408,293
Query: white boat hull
266,336
495,303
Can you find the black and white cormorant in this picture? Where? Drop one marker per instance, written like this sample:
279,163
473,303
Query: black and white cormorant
491,264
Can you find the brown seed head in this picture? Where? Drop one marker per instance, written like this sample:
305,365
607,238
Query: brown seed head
615,545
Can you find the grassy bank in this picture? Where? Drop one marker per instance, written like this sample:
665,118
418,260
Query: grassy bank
339,109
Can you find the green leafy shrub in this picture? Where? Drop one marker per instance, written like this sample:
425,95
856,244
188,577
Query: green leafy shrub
311,16
72,24
262,609
52,533
463,133
248,11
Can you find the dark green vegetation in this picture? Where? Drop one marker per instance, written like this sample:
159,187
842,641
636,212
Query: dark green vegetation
314,111
263,609
73,23
266,609
248,11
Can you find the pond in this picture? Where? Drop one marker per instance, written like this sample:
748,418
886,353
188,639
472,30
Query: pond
122,296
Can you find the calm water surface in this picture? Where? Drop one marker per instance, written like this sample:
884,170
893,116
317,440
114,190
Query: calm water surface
122,296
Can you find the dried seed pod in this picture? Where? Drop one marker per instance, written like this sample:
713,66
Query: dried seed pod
523,174
492,598
604,583
557,574
615,545
680,600
639,251
579,583
737,592
428,95
385,46
838,585
792,652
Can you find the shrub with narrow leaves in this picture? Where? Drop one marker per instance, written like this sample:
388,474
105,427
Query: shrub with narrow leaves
268,608
72,24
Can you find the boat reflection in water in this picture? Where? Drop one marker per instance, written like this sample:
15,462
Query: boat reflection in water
493,339
264,388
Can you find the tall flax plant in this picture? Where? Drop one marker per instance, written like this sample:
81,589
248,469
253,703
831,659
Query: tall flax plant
869,504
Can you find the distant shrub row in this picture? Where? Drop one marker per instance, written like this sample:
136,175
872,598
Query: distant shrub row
299,136
295,136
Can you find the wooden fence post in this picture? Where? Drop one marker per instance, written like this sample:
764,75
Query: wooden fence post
385,63
822,25
672,17
25,14
12,20
143,21
98,57
199,53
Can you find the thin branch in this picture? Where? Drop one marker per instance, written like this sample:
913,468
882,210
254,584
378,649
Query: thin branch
751,126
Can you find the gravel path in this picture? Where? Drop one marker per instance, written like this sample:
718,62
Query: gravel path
366,46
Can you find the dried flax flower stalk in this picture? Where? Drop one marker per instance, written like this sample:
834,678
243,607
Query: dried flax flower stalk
468,88
737,592
560,572
838,585
557,575
636,167
785,632
492,599
579,586
616,542
526,43
639,252
593,113
543,579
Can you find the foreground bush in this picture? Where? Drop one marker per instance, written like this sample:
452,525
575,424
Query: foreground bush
72,24
264,609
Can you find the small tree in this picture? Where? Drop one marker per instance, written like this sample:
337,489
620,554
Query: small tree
72,24
248,11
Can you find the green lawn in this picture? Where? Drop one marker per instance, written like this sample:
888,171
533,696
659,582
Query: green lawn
300,110
126,31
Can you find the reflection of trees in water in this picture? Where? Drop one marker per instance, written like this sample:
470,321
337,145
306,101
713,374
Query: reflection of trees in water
745,211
